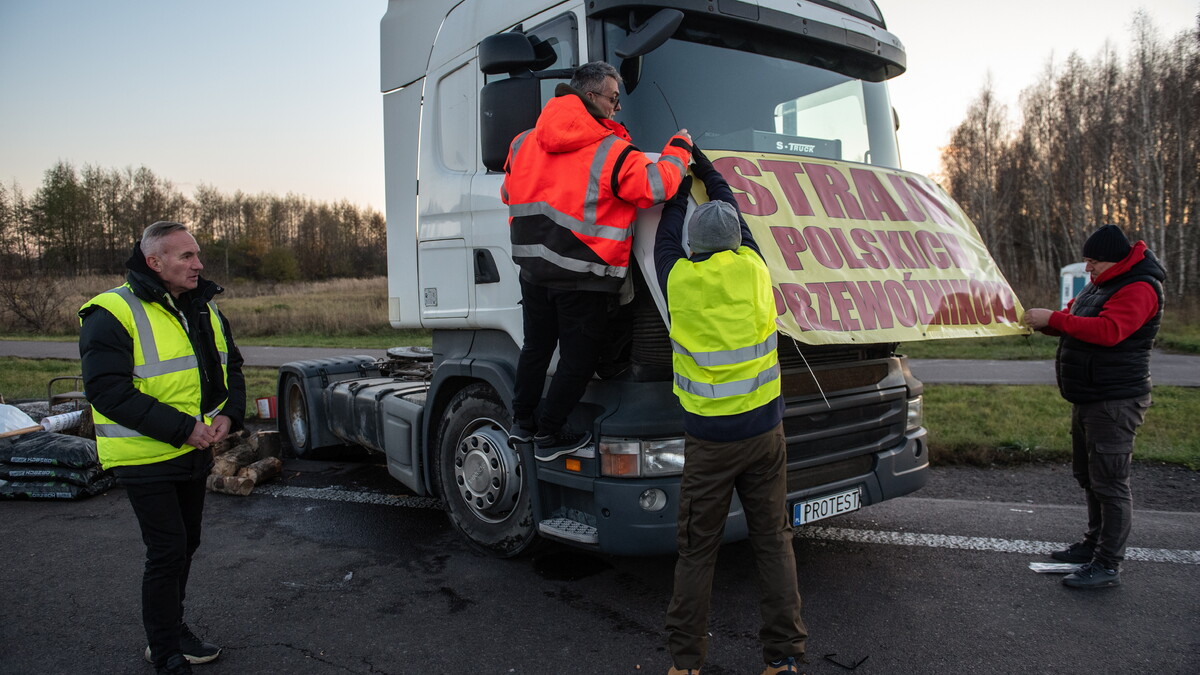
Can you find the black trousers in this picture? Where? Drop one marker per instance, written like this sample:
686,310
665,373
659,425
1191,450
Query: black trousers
757,469
574,321
169,513
1102,436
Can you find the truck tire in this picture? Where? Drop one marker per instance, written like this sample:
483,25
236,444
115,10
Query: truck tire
294,417
485,488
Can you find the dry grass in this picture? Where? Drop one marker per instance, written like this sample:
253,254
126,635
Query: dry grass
339,307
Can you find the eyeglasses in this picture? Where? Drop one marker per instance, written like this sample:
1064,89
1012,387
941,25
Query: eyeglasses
615,99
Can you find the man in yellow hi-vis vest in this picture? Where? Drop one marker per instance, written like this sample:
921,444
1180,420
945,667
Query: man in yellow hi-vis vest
165,382
727,374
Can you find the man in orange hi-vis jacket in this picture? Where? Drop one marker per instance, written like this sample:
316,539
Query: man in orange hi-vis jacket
573,186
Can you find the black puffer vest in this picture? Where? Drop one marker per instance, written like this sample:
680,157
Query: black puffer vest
1089,372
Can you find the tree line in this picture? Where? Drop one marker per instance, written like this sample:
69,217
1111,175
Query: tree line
84,221
1111,140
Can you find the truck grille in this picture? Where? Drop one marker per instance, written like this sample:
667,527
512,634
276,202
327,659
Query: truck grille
855,426
803,479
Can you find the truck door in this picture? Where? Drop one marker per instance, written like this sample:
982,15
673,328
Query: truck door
496,302
447,162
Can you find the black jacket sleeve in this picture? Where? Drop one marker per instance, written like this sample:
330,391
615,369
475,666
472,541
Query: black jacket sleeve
106,356
235,404
668,242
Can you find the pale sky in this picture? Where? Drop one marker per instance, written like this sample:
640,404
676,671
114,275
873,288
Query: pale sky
282,96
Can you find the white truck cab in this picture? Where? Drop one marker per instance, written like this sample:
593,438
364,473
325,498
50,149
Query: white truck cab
460,78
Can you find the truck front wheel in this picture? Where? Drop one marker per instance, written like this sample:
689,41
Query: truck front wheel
483,483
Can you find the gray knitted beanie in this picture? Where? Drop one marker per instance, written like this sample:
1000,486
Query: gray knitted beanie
714,227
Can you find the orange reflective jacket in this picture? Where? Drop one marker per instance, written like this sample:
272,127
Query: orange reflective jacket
573,187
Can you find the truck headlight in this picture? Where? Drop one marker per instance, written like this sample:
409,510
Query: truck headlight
916,414
662,458
623,458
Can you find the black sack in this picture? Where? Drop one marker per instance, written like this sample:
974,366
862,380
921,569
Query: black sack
44,448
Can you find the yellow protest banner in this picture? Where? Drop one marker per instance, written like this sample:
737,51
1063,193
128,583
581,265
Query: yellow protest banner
867,254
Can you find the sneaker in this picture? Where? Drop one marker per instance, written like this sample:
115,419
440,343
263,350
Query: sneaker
175,664
1079,552
194,649
1093,575
787,665
547,447
683,671
522,431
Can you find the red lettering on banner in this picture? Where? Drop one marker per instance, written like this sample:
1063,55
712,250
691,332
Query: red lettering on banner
876,202
871,254
890,239
910,243
780,303
821,245
839,237
799,304
825,320
979,299
929,243
843,303
791,245
872,304
935,310
950,316
912,211
754,199
960,290
935,207
833,191
900,302
1004,303
785,173
955,249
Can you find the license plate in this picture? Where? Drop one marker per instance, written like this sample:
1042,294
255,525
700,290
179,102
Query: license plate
824,507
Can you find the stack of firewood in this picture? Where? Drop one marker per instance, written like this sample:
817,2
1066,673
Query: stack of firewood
251,460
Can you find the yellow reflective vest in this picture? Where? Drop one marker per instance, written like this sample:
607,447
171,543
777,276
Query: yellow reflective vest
723,333
165,367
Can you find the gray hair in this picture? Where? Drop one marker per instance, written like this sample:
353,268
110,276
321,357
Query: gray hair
153,236
591,76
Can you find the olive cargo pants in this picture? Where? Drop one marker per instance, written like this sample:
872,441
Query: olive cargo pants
757,468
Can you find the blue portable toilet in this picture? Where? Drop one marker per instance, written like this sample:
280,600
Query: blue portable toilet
1073,278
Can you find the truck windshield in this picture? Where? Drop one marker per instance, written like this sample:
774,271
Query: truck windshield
787,100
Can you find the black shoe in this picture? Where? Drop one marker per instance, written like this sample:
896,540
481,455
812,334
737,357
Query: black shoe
1079,552
194,649
1093,575
175,664
522,431
547,447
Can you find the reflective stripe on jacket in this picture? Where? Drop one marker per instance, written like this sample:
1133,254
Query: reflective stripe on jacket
573,188
165,367
723,333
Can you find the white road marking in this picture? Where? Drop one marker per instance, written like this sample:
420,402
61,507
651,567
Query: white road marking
949,541
983,544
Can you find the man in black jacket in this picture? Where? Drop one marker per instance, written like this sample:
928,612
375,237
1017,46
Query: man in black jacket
165,382
1103,367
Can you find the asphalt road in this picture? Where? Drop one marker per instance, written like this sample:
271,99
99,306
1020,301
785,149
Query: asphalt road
1167,369
329,570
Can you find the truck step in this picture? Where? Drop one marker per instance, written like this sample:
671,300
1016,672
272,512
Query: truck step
571,530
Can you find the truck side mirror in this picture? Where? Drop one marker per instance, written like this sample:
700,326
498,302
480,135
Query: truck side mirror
506,108
650,35
514,53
